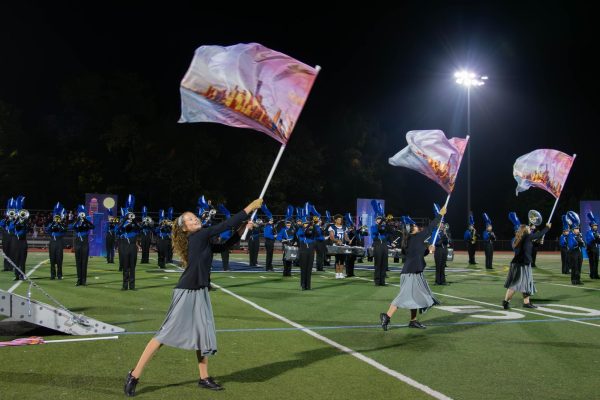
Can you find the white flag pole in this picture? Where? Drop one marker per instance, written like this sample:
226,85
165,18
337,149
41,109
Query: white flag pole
81,340
441,220
264,189
556,201
266,186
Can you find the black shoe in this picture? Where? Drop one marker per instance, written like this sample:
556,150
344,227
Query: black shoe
505,304
384,319
579,283
130,384
209,383
416,324
52,278
529,305
60,278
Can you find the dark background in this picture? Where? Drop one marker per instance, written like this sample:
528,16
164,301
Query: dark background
89,102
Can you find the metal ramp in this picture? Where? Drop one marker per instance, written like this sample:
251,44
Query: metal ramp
19,308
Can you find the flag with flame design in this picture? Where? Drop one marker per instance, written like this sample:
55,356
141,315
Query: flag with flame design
546,169
433,155
246,86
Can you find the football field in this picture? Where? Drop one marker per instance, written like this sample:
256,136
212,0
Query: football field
278,342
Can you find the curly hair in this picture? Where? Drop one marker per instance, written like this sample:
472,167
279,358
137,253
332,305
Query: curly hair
180,241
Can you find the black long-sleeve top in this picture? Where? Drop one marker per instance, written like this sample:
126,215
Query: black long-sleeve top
525,247
415,248
197,274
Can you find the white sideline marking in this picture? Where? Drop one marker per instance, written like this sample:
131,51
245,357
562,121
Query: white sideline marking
28,274
370,361
570,286
498,306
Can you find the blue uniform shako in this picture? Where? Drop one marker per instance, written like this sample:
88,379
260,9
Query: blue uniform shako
82,225
56,227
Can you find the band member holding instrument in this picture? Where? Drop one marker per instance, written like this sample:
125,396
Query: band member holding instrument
163,230
56,228
415,293
18,243
441,249
471,240
287,237
110,237
592,240
146,235
563,242
575,246
224,237
354,241
379,233
128,231
337,235
489,237
81,226
520,275
306,252
269,234
190,322
7,226
254,241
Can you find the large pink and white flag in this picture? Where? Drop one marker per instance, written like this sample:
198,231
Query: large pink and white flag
246,86
433,155
546,169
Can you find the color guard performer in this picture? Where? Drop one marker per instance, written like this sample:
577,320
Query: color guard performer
415,293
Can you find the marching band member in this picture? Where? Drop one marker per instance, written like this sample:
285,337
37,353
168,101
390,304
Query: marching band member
224,237
306,243
564,248
441,244
56,228
190,323
253,238
395,236
325,228
320,246
163,230
128,230
18,250
287,237
575,246
592,240
7,225
169,253
379,233
110,237
146,235
520,275
337,235
81,227
471,240
415,293
536,243
269,235
489,237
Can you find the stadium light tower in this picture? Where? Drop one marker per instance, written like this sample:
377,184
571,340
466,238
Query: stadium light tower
469,79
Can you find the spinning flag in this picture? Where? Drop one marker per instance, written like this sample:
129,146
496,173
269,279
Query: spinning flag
246,86
433,155
543,168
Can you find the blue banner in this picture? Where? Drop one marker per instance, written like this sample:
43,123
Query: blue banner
366,212
97,206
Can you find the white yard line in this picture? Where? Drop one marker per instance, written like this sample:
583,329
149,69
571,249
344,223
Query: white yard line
31,271
426,389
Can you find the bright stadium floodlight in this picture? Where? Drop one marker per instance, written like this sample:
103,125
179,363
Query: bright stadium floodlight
469,79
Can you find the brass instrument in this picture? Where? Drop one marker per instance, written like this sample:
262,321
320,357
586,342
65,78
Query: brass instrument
147,221
130,216
23,215
12,214
81,215
57,218
473,236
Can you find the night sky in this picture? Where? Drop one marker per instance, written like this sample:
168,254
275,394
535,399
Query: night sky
384,70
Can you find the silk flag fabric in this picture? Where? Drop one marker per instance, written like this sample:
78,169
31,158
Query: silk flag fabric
433,155
546,169
246,86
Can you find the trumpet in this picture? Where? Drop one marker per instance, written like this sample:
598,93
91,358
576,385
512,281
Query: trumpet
147,221
130,216
57,218
166,222
23,215
81,215
12,214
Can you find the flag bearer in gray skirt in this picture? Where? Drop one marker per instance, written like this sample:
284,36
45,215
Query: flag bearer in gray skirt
520,276
415,293
189,323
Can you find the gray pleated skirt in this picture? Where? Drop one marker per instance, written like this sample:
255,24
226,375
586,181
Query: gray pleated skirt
189,324
414,293
520,279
